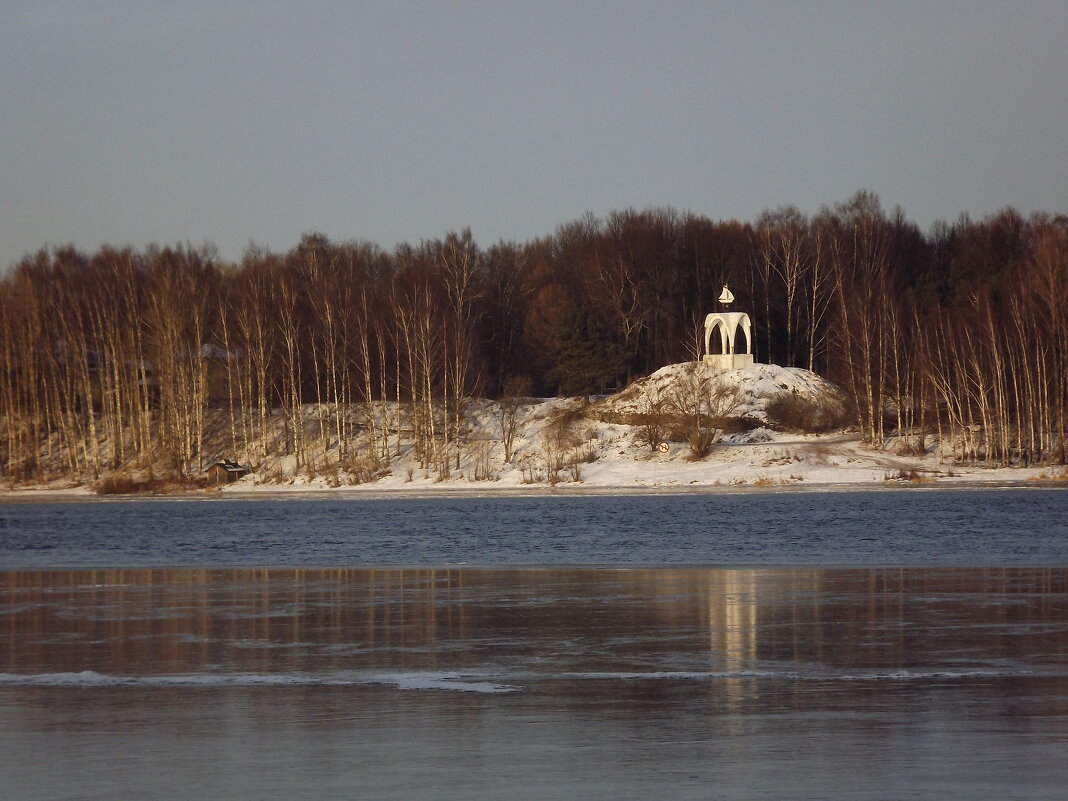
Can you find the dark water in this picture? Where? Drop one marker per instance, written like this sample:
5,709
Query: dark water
942,674
899,527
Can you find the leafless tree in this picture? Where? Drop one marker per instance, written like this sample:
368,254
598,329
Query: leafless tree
507,413
700,403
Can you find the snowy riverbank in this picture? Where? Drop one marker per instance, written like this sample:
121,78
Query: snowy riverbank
614,457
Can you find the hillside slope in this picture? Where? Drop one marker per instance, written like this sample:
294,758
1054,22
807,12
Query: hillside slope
756,386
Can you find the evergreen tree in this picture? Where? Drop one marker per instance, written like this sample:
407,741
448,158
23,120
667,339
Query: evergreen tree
587,359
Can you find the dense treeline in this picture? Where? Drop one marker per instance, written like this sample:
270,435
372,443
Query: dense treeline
122,357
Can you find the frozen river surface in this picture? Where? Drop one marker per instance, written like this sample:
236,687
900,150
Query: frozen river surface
942,674
554,683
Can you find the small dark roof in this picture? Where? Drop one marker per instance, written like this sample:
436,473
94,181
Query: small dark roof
228,466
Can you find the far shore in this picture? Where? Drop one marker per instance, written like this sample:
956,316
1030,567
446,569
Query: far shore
594,457
464,489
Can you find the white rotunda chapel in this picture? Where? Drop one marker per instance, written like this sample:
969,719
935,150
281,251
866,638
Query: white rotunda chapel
728,337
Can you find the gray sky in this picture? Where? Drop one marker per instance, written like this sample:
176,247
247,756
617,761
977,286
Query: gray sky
237,122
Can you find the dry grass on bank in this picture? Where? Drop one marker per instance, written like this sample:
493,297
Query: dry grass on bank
127,484
1054,475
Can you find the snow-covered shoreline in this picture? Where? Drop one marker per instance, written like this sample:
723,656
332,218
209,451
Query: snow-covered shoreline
611,458
809,464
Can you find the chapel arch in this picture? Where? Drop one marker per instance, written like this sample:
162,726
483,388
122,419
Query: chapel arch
741,340
716,341
731,334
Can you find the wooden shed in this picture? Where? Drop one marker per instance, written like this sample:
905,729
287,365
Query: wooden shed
226,472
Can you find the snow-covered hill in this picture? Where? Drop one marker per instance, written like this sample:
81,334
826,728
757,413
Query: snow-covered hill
756,385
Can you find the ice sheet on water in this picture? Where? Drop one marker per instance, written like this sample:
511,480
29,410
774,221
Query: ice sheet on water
18,609
920,674
439,681
404,680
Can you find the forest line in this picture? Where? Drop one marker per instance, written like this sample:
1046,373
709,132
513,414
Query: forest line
123,358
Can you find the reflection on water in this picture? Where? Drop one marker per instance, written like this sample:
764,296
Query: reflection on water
537,622
458,683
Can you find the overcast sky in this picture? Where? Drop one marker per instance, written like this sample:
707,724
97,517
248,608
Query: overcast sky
238,122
